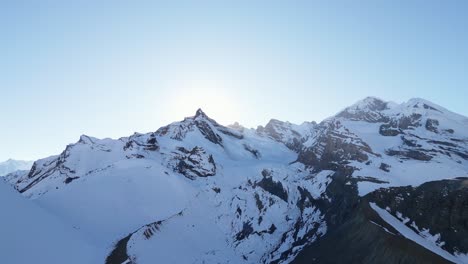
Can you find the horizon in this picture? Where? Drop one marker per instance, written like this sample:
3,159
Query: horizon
239,122
109,69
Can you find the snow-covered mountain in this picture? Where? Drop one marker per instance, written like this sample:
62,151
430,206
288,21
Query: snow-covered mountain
11,165
195,191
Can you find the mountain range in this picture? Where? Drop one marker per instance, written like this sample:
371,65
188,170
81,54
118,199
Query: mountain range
12,165
378,182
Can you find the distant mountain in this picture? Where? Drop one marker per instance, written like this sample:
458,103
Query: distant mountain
11,165
379,182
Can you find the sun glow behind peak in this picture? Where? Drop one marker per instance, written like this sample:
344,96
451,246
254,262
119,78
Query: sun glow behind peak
211,95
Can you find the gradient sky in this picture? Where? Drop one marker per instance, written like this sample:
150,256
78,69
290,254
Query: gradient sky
108,69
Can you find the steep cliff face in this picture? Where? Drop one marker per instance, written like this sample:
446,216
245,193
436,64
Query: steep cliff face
424,224
437,210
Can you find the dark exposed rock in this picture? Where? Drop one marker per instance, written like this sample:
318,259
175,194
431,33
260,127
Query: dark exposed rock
362,240
246,231
183,150
275,188
450,131
119,254
407,122
39,173
258,202
70,179
368,179
344,197
208,133
397,126
272,229
195,162
176,131
135,156
266,173
426,106
341,201
444,143
152,143
254,152
439,206
388,131
384,167
239,211
33,170
363,237
138,141
200,114
410,142
162,131
464,155
305,199
334,148
208,127
432,124
409,154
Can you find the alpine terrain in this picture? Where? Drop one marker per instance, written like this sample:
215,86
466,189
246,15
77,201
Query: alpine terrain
379,182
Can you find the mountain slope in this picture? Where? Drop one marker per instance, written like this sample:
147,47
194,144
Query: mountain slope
32,235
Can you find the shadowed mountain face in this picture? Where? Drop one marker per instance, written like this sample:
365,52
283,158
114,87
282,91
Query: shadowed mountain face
376,183
364,237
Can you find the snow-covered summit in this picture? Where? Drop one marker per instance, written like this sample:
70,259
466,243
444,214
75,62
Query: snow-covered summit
370,102
368,109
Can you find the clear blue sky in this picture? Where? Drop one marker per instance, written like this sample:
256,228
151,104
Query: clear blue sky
108,69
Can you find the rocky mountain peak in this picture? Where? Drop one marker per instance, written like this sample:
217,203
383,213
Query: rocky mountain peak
200,114
86,139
